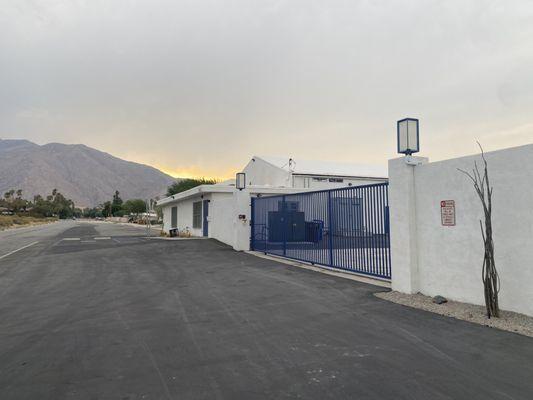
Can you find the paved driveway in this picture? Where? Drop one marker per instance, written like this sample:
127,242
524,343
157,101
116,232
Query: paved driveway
108,314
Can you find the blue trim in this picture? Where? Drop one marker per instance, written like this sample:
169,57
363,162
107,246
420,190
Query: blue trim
252,210
284,216
330,231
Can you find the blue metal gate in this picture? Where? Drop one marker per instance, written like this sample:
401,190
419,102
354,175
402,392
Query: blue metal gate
346,228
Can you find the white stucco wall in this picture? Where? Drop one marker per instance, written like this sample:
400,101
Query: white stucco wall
435,259
221,210
184,215
241,227
166,218
259,172
304,181
221,218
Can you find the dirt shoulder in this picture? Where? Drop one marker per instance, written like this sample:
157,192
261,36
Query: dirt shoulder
13,221
508,321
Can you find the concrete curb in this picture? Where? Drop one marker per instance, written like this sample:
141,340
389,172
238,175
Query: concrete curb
324,270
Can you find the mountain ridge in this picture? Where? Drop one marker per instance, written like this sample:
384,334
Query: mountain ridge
86,175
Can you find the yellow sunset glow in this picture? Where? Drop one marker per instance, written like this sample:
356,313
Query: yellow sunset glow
195,172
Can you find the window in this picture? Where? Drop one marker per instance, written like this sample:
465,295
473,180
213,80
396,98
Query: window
338,180
197,215
174,217
320,179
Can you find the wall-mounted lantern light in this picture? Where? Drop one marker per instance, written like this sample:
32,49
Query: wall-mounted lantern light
240,180
408,136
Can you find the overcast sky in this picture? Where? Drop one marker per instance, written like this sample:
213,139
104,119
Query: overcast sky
198,87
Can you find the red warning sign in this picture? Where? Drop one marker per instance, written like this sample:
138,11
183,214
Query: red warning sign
447,212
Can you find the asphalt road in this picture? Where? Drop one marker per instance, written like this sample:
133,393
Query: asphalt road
96,311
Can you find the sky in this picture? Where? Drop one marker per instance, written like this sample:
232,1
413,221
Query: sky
196,88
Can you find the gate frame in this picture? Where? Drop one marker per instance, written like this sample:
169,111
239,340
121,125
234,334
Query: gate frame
386,222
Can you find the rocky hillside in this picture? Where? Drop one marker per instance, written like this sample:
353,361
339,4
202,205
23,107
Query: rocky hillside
85,175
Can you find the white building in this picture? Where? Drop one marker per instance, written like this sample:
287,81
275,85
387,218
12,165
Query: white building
216,211
317,175
222,212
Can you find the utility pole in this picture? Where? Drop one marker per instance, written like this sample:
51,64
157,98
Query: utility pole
147,215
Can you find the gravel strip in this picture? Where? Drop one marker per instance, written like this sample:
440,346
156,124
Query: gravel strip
508,321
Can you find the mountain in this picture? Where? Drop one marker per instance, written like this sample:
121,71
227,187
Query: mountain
85,175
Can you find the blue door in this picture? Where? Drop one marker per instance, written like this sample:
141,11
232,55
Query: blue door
205,222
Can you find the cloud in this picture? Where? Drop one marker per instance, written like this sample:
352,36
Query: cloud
209,83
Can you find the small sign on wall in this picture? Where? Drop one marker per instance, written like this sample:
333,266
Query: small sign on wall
447,212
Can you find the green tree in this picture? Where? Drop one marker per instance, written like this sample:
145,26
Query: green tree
186,184
18,204
14,204
107,209
63,207
42,207
116,198
55,204
95,212
116,205
134,206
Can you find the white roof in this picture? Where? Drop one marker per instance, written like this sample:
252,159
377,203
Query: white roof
333,168
204,189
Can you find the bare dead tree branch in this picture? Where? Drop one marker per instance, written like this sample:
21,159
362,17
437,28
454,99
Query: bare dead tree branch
489,274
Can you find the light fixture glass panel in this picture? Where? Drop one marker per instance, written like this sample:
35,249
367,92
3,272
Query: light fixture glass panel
412,135
240,180
402,137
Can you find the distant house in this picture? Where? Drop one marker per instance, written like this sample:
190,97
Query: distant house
222,212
